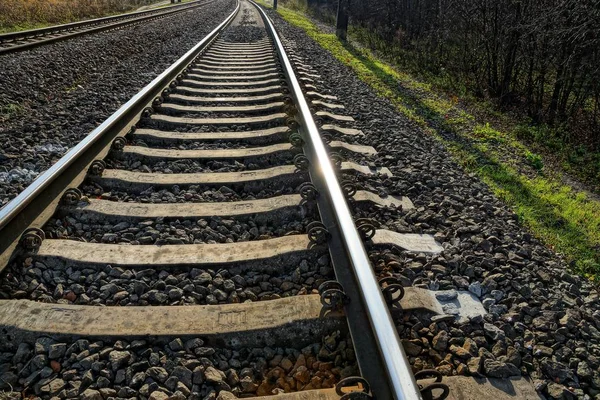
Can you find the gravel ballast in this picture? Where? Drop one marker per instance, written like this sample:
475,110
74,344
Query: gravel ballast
173,368
116,286
54,95
542,321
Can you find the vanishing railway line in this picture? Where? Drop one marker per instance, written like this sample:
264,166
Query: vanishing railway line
24,40
202,243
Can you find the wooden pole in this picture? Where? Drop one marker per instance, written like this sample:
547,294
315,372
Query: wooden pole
341,23
274,4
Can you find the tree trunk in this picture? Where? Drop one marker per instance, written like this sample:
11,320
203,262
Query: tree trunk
341,24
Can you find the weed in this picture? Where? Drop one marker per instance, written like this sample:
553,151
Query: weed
535,160
485,132
10,110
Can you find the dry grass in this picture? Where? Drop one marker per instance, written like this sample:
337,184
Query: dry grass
28,14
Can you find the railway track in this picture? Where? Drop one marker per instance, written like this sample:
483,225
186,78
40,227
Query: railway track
206,242
24,40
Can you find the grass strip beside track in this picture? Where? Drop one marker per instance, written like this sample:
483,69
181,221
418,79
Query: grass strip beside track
566,219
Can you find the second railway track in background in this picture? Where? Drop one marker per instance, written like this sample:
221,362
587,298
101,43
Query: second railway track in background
24,40
205,242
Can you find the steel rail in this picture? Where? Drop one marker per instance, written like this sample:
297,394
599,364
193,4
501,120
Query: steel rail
400,380
20,213
93,25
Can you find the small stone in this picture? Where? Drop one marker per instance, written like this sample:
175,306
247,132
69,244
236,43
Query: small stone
498,369
31,378
158,374
90,394
583,370
56,351
225,395
183,375
265,389
513,356
22,354
120,376
123,294
118,359
70,296
460,352
87,378
121,226
137,380
474,366
54,386
570,319
110,237
440,341
46,372
486,246
542,351
213,375
204,278
493,332
176,345
193,343
87,362
39,361
158,395
556,390
108,392
171,383
248,385
475,288
232,378
446,295
559,372
445,370
302,375
204,351
450,309
55,365
471,346
198,376
175,294
42,345
411,348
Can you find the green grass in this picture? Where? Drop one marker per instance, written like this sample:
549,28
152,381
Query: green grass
566,220
551,141
535,160
50,13
10,110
